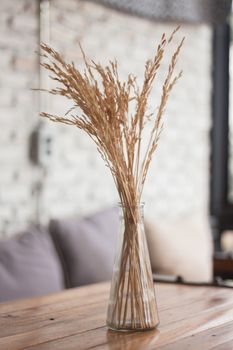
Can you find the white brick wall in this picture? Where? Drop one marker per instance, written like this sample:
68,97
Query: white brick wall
77,180
18,111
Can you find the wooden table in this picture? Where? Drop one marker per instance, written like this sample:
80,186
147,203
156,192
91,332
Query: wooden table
190,318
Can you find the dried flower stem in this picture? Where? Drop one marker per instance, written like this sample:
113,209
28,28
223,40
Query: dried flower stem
103,112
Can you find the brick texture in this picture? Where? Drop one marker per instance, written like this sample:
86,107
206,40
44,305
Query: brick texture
18,111
76,180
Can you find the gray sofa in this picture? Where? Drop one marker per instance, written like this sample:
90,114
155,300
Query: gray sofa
74,252
70,253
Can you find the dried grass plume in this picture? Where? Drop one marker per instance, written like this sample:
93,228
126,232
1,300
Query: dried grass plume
103,111
102,107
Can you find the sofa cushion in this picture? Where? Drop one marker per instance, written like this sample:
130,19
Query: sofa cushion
181,247
29,266
87,246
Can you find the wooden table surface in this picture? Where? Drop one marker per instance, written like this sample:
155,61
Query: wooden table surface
190,318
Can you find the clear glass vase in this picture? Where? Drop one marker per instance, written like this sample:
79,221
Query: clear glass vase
132,304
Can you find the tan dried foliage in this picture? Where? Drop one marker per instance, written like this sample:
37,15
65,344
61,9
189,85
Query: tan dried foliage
105,112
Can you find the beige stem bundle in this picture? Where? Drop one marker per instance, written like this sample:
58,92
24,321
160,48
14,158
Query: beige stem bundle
102,107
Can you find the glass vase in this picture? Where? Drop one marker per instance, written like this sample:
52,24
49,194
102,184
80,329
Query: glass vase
132,304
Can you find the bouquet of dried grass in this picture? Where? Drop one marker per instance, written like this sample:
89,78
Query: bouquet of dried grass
103,110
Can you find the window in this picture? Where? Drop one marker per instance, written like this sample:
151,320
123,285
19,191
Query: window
221,201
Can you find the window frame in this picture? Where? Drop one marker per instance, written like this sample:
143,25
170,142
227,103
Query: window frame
221,210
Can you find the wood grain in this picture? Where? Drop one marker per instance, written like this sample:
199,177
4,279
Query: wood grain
190,318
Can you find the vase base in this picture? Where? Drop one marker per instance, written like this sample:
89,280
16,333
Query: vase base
129,329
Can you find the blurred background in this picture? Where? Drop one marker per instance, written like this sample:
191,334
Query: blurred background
51,171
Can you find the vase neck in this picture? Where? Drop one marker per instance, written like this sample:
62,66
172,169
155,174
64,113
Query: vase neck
133,213
133,206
